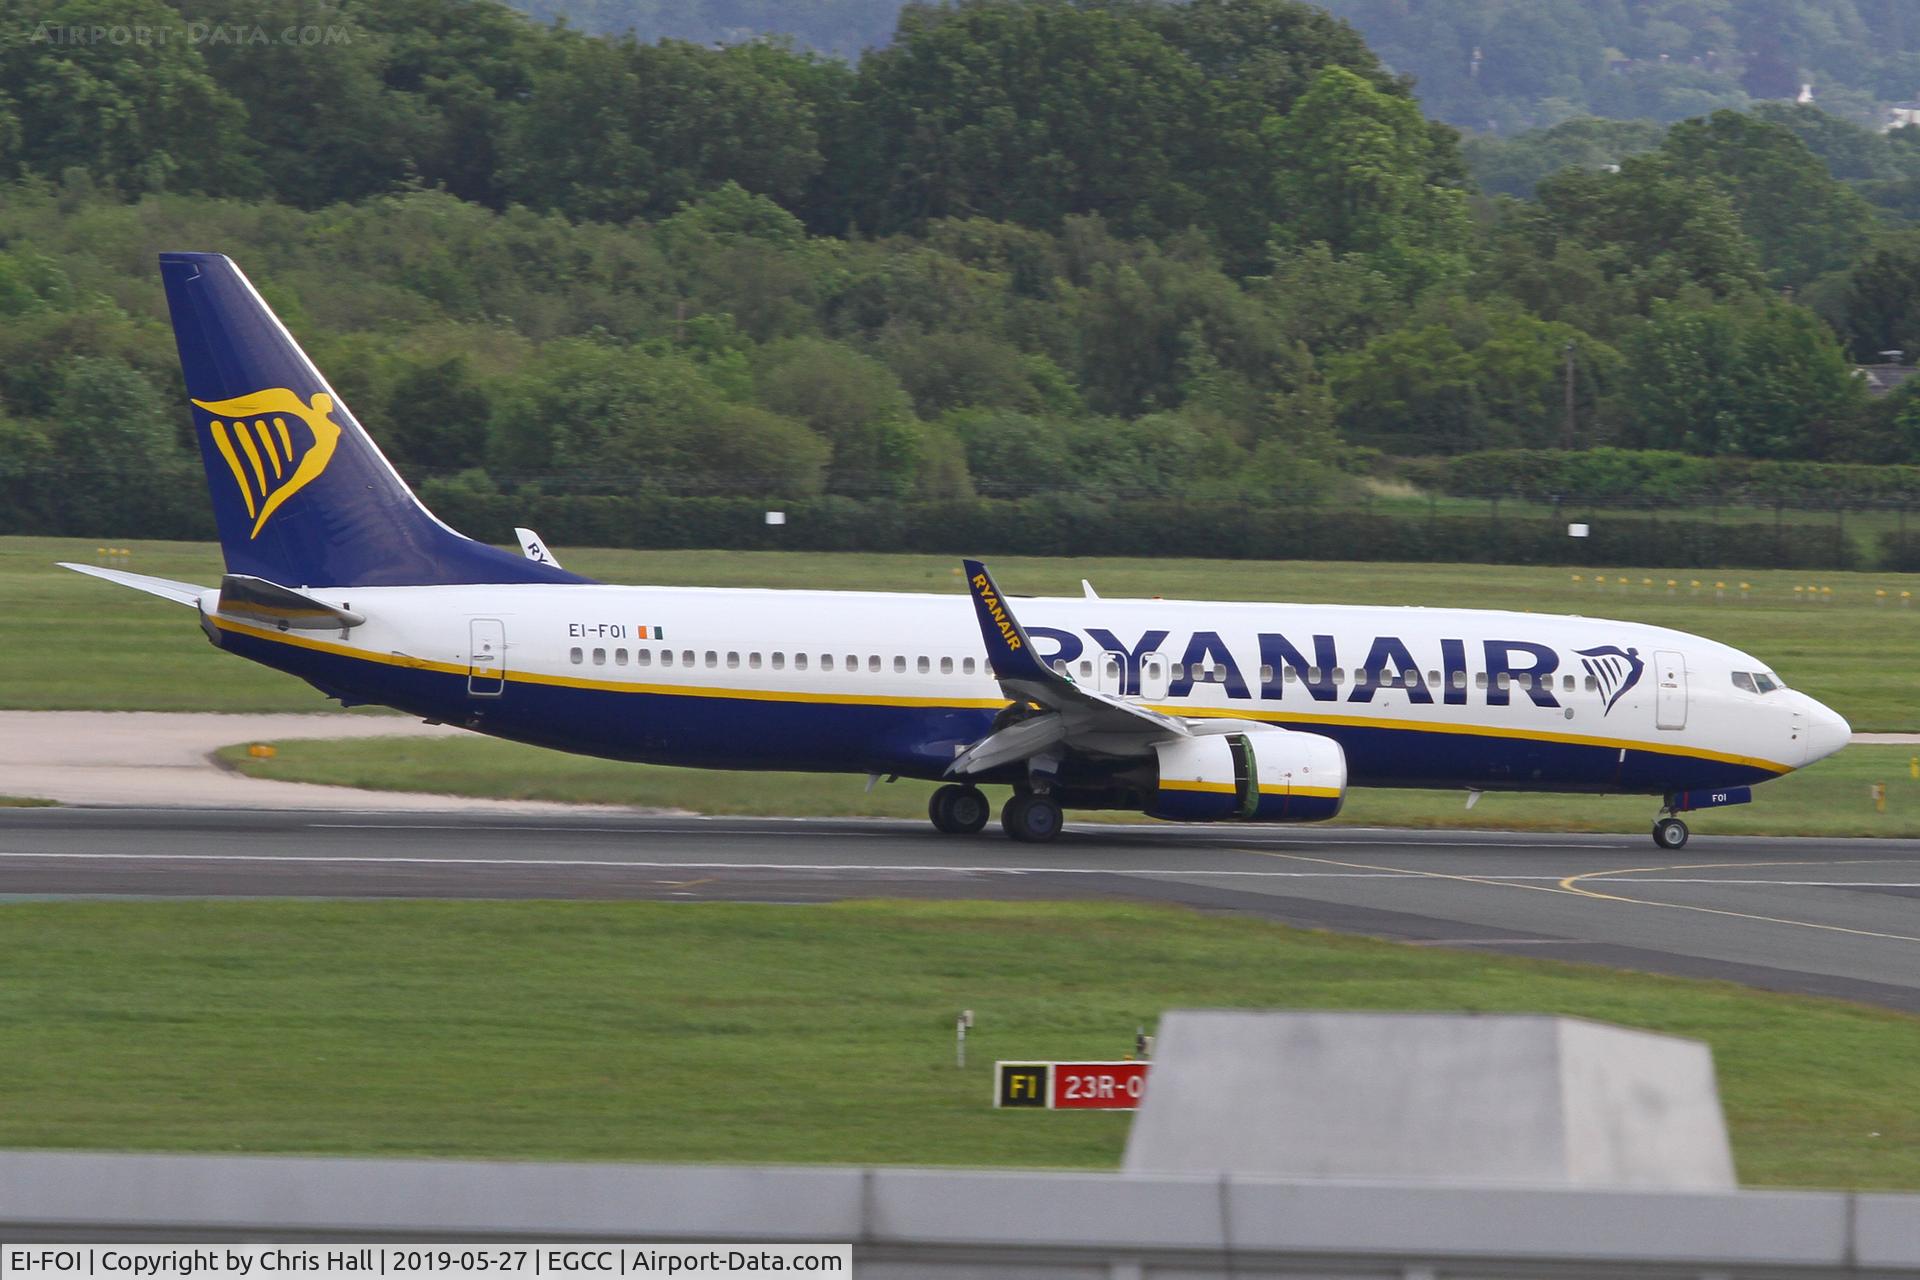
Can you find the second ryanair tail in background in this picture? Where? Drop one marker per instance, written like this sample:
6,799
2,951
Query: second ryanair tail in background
302,496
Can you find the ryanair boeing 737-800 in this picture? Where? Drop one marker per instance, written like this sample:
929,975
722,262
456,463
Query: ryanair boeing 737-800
1187,710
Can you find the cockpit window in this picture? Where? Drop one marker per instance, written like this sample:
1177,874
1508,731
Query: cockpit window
1757,681
1744,680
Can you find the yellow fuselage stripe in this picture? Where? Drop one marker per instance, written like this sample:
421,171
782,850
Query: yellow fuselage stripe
1307,720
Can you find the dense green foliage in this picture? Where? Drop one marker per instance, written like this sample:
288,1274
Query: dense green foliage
1068,251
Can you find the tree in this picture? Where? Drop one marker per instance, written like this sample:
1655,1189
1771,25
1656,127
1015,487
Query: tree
1514,166
1352,171
1803,221
603,419
1759,378
969,113
135,114
853,402
617,130
1657,231
1463,376
1881,305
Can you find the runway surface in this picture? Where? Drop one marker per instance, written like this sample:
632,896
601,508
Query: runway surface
1826,917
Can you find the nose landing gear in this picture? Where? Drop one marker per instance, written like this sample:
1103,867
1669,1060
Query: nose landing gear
1670,833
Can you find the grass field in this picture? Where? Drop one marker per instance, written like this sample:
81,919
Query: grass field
1830,799
733,1032
117,649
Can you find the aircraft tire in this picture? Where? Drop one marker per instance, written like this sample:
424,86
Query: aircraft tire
1670,833
1032,819
958,810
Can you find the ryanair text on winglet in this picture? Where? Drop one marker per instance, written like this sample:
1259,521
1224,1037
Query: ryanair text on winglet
992,602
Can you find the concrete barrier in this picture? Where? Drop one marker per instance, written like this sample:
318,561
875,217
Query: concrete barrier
955,1223
1522,1100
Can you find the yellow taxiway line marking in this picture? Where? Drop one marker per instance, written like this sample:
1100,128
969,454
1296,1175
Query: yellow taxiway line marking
1407,871
1571,885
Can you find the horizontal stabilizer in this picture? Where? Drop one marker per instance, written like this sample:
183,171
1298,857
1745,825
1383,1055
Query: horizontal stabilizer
165,588
282,607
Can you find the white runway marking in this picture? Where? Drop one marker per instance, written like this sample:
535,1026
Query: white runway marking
841,833
378,860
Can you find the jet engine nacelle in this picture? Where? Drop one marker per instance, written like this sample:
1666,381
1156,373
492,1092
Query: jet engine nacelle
1259,774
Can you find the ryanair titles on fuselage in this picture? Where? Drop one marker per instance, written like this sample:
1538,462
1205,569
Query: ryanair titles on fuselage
1508,665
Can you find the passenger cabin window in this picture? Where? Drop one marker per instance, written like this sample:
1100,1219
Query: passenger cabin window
713,658
946,666
873,662
1460,680
619,657
686,657
1592,684
1433,678
826,662
577,656
1479,679
799,662
753,661
666,657
1566,683
1339,675
1059,667
899,665
1086,671
599,657
966,666
1313,675
1266,674
733,660
642,657
923,665
778,661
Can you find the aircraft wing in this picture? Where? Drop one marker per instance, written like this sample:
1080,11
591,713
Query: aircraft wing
1069,717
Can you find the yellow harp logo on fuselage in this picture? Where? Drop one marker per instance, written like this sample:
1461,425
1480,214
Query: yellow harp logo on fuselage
274,444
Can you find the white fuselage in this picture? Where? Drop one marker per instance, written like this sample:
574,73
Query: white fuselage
864,681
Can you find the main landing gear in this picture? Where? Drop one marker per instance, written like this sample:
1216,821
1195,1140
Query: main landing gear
1670,833
1032,818
958,811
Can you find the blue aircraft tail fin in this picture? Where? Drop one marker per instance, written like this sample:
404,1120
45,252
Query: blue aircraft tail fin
301,494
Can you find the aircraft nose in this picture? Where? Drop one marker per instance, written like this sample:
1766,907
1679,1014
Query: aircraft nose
1827,731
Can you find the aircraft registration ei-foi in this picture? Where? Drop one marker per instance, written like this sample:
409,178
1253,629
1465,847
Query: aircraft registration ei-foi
1193,711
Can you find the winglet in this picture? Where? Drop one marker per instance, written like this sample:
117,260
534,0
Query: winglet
1009,652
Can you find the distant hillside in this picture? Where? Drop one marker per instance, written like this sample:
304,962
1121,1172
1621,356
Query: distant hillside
842,27
1502,65
1495,66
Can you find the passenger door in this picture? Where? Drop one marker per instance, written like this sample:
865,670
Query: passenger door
1670,690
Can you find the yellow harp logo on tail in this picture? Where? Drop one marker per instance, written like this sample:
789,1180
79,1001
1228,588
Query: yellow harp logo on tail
274,445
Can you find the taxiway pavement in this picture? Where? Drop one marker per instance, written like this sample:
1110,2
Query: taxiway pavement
1818,916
